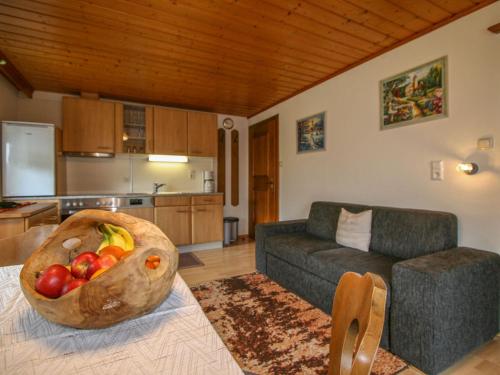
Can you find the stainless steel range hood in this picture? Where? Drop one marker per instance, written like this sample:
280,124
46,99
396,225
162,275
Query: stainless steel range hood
91,154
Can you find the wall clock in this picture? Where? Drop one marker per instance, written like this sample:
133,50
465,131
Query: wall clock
228,123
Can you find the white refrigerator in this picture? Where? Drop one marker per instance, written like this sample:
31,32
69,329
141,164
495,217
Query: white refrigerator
28,159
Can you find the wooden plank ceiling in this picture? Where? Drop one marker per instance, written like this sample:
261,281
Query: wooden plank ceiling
228,56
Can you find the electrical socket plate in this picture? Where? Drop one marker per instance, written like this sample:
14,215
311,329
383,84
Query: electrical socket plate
437,170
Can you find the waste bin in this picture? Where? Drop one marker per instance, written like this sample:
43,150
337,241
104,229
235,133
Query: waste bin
230,230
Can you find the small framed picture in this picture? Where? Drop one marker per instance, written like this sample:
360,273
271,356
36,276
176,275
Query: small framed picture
311,133
417,95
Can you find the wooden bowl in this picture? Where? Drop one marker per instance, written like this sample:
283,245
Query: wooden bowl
128,289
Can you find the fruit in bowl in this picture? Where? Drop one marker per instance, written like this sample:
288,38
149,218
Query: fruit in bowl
51,281
119,289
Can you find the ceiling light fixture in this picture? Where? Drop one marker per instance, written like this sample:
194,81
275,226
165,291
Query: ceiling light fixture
3,62
168,158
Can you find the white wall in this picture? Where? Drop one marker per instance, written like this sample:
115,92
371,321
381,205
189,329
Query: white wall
365,165
8,100
241,210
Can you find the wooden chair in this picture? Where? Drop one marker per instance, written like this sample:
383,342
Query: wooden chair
16,249
357,323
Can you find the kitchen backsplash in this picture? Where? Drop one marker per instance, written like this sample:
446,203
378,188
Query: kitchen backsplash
134,174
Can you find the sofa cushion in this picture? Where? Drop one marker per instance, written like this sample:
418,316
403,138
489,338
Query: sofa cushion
332,264
295,247
324,217
406,233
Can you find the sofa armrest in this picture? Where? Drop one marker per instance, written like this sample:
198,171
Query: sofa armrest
443,306
263,231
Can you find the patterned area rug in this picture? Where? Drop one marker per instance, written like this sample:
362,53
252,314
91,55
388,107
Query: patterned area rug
272,331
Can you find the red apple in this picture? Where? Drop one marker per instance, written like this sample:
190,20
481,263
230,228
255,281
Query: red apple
81,263
106,261
69,286
51,281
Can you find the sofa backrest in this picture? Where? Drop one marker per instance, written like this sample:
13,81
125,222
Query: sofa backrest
403,233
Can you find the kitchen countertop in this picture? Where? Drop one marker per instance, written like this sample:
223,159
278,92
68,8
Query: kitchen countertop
117,195
26,211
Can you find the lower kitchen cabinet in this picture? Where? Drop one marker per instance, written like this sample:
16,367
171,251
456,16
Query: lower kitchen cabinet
207,223
190,219
175,222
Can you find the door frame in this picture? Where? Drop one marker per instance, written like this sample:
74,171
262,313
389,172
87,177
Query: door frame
251,203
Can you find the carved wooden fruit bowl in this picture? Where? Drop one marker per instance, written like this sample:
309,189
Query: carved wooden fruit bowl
126,290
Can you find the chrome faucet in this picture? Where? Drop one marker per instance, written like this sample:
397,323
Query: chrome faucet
156,187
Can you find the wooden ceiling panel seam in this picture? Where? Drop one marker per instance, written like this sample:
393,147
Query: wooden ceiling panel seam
26,29
409,6
34,22
14,76
373,37
263,42
235,74
277,29
478,6
401,19
109,19
271,17
334,7
454,6
157,86
53,56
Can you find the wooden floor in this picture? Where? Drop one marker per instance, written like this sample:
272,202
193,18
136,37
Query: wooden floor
240,259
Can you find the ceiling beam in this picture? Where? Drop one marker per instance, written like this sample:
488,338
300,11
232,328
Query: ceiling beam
14,76
495,28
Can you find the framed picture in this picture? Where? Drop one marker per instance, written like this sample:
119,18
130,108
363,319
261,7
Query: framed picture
311,133
417,95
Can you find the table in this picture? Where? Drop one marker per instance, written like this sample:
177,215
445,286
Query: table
176,338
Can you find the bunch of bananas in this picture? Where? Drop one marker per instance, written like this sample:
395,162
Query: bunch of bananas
116,236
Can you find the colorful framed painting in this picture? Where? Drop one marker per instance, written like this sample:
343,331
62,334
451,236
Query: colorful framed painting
311,133
417,95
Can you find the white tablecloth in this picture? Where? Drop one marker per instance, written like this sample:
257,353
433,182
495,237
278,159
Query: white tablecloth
176,338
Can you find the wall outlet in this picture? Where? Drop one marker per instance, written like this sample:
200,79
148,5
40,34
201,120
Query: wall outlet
437,170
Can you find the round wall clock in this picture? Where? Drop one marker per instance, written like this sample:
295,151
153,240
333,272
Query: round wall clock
228,123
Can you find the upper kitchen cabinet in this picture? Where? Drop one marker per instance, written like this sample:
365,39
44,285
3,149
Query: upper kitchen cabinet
134,129
88,126
202,134
170,131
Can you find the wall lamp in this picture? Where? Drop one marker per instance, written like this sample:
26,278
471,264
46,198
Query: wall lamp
168,158
468,168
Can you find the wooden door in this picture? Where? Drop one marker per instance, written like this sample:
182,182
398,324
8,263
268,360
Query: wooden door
263,173
170,131
207,223
175,222
202,134
88,125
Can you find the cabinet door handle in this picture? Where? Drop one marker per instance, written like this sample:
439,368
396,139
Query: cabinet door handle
200,210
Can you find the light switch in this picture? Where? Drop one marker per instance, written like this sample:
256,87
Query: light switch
437,170
485,143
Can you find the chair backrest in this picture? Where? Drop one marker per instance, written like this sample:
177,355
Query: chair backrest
357,323
16,249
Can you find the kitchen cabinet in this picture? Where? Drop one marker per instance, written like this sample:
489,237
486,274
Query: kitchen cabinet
202,134
88,126
170,131
207,223
16,221
190,219
133,129
175,222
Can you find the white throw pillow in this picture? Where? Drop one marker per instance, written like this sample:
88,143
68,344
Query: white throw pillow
354,230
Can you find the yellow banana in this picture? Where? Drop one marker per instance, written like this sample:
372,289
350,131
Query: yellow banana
127,238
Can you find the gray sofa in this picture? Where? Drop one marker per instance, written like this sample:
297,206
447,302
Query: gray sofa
443,300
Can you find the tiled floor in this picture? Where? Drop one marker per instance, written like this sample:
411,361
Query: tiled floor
240,259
